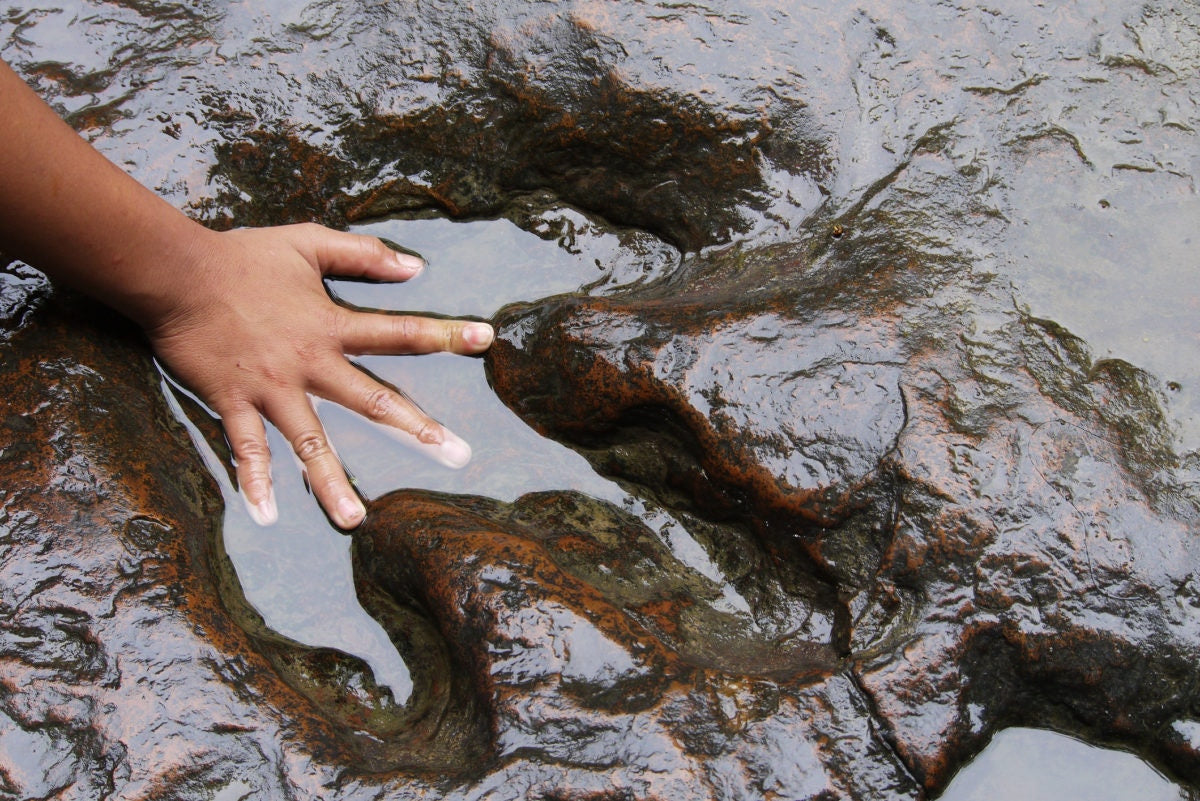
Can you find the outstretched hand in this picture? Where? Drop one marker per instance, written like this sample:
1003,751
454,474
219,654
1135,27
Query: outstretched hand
256,334
242,318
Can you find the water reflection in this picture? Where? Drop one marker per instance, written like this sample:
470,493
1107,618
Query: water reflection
1114,261
1039,765
297,573
474,269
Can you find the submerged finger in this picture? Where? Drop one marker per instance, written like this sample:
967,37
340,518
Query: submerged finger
252,460
403,419
398,334
326,477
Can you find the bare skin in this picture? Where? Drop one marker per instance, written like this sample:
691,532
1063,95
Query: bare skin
241,317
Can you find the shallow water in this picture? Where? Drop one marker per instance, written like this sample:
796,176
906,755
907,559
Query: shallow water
297,573
1039,765
1116,262
1107,250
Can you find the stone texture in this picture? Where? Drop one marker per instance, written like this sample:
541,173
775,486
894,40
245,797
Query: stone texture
1003,534
881,509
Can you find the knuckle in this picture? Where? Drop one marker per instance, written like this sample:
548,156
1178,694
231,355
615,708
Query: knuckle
337,325
427,431
334,323
307,354
310,445
380,404
256,484
274,377
373,248
406,328
251,452
328,487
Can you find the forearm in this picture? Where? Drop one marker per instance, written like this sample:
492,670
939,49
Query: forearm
73,214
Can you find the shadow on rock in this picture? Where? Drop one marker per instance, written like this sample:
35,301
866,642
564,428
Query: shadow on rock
604,661
549,111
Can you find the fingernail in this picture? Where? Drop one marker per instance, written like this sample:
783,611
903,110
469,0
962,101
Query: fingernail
351,511
478,335
408,263
454,452
265,512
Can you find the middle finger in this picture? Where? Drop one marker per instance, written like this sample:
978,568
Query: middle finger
354,389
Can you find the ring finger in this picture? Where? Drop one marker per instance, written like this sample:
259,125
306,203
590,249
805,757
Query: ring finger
298,422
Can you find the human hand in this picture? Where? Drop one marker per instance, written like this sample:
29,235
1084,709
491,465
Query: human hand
253,332
242,318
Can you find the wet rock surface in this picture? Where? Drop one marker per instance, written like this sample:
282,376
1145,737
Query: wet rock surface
1000,535
878,508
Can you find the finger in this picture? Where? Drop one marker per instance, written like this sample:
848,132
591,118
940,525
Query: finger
252,459
361,393
357,256
392,334
297,421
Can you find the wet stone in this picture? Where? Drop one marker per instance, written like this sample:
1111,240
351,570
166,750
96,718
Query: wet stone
872,506
1020,570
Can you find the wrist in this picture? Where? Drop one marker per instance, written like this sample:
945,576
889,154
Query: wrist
162,273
